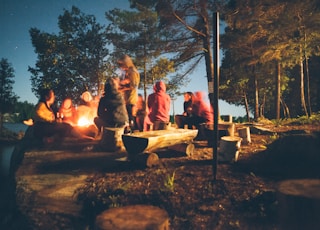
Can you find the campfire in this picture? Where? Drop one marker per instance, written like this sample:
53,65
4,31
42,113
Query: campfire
84,122
86,116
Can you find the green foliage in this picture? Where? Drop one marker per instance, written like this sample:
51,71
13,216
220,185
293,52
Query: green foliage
7,96
314,119
259,36
169,183
24,111
72,61
137,34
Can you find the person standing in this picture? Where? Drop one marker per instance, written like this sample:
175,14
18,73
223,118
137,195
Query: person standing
129,87
158,105
141,112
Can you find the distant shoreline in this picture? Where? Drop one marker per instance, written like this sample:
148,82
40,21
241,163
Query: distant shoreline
10,136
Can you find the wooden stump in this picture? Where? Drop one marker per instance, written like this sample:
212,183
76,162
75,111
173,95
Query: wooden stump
229,148
224,129
186,148
134,217
145,159
112,139
299,204
244,133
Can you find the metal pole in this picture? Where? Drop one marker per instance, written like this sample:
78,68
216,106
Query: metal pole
215,92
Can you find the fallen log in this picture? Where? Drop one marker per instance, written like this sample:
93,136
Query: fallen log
186,148
154,140
145,159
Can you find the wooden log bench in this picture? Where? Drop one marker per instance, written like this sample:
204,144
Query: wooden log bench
133,217
141,143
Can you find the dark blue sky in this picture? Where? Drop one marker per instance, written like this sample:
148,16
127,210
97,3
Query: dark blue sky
18,16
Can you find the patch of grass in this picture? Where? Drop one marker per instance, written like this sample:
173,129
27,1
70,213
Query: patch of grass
314,119
169,183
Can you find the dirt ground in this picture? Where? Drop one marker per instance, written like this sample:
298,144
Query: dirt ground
242,196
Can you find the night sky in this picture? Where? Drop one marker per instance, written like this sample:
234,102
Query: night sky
18,16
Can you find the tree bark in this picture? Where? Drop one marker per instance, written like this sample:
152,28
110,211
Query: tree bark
278,90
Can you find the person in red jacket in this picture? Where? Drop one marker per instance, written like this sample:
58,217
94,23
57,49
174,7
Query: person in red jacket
202,111
158,105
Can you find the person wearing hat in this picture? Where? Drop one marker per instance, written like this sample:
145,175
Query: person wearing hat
129,87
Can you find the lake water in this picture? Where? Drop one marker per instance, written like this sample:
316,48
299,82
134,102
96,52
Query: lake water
6,150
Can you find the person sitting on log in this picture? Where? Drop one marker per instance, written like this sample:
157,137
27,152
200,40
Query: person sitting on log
112,108
202,111
67,112
87,107
46,126
186,117
158,105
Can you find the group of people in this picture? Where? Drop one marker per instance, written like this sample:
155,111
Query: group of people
196,111
46,121
119,106
121,103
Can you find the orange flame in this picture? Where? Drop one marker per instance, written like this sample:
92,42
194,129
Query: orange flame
84,121
86,116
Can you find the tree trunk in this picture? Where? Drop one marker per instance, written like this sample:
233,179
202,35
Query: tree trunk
278,90
308,86
308,77
208,52
247,107
256,98
303,101
285,108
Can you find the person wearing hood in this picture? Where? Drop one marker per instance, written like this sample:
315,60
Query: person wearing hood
129,87
111,109
158,105
202,111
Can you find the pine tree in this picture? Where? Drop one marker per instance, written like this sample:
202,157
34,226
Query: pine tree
7,96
